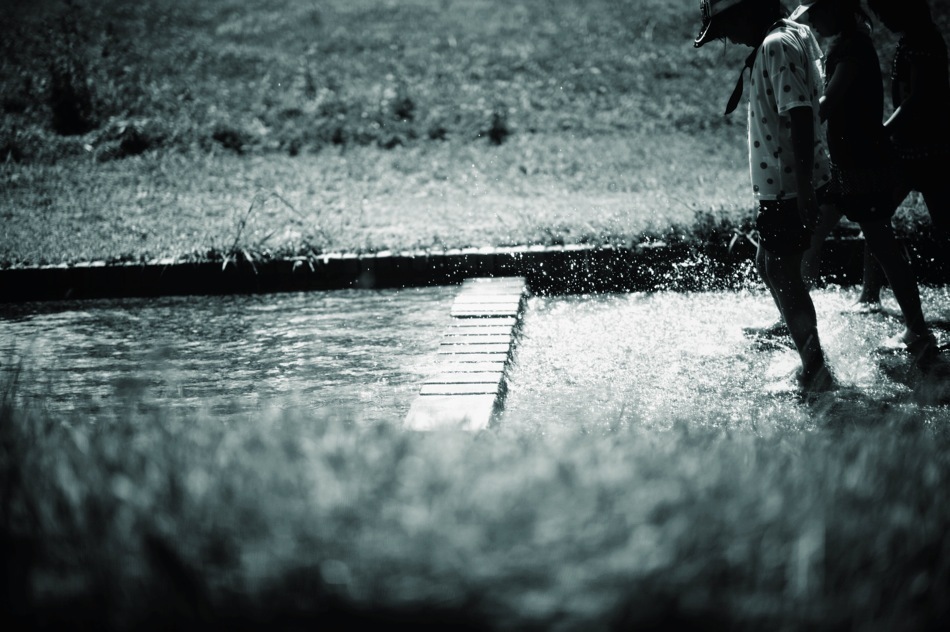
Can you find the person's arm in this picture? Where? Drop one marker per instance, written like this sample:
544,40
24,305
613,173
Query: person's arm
838,85
905,110
803,144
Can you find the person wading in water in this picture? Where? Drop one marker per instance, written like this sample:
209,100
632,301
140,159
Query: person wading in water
788,162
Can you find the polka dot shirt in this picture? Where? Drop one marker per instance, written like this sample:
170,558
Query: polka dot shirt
786,75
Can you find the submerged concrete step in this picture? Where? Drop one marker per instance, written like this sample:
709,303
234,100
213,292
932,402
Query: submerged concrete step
469,388
477,340
464,412
476,330
467,377
461,389
483,310
473,367
463,349
494,321
493,296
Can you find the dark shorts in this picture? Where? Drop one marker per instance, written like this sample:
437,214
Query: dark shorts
865,194
780,229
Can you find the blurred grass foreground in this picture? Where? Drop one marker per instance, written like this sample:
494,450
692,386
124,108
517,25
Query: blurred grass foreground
146,519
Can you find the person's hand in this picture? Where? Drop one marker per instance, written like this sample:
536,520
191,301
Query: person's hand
808,207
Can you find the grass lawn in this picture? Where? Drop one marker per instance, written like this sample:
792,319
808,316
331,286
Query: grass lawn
539,189
148,130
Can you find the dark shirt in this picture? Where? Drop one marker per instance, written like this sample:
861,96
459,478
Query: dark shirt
856,136
926,52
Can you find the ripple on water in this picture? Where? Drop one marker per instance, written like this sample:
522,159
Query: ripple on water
597,363
364,353
652,360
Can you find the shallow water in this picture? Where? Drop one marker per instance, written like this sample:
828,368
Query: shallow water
363,354
596,363
651,360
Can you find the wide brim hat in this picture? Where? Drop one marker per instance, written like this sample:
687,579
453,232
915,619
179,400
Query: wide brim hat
710,9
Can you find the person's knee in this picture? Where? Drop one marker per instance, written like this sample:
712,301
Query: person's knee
785,271
879,236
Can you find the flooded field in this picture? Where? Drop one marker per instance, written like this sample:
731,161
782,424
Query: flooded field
360,353
596,363
654,360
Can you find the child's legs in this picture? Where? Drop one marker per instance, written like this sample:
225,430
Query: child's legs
781,234
762,268
798,310
880,241
937,197
873,277
811,260
931,176
932,179
862,210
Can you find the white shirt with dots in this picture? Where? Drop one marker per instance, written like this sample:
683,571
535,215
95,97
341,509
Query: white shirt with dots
787,73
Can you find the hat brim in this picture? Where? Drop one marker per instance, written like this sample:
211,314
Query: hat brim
800,11
711,32
705,36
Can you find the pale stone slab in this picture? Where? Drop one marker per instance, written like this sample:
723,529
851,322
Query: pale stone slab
460,389
472,367
474,353
475,330
506,304
481,311
467,377
463,358
487,298
487,282
500,282
469,349
469,412
488,321
476,340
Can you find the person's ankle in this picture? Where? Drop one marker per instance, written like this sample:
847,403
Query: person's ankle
816,377
910,336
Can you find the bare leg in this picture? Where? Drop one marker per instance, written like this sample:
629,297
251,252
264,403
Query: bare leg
937,198
811,260
880,241
873,277
938,205
791,295
779,327
760,266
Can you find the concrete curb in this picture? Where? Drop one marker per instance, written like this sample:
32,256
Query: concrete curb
547,269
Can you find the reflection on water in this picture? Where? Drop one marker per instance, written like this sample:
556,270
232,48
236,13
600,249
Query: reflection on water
364,353
597,362
655,359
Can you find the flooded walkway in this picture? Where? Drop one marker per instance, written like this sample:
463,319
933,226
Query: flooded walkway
361,354
604,362
597,363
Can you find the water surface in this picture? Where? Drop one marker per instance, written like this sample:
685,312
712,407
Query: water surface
603,362
357,352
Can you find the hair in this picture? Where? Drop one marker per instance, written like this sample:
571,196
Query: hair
846,11
761,11
916,11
